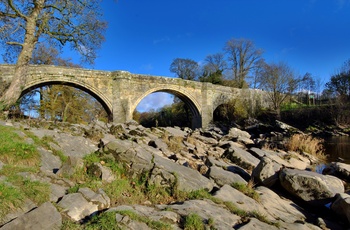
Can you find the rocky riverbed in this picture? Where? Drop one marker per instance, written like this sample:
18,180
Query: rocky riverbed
290,194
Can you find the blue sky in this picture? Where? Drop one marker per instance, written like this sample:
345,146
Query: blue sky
145,36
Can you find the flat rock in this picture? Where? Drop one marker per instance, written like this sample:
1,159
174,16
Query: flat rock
279,208
223,219
227,193
257,224
77,207
241,157
44,217
222,177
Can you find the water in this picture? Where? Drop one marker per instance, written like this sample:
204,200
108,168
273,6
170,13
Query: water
338,149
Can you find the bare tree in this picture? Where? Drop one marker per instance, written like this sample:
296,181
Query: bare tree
24,23
243,57
185,68
213,68
279,80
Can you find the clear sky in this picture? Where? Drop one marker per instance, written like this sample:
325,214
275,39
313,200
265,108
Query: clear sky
145,36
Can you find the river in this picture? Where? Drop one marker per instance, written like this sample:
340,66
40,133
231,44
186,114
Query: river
338,147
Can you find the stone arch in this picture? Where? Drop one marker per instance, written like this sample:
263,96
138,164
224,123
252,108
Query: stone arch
187,98
99,96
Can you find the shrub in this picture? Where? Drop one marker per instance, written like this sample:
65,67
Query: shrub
306,143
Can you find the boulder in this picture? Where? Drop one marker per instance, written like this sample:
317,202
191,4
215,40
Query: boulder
70,166
169,174
310,186
99,198
338,169
100,171
241,157
341,206
77,207
222,177
266,172
44,217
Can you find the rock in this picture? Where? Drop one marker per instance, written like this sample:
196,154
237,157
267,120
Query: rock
338,169
170,174
102,172
279,208
74,146
70,166
44,217
100,198
136,157
257,224
77,207
241,201
241,157
176,132
27,205
49,162
57,191
341,206
223,219
266,172
310,186
222,177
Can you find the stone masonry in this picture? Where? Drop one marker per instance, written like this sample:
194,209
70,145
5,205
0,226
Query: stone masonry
120,91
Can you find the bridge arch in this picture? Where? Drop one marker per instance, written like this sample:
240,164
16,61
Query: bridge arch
187,98
99,96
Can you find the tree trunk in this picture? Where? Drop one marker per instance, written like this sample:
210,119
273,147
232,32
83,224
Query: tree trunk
13,93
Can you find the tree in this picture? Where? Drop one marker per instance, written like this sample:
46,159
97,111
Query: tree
243,57
213,69
185,68
339,84
279,81
60,22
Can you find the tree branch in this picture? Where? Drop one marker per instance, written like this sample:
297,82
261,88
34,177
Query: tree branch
18,13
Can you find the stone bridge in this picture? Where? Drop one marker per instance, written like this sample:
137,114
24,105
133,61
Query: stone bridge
120,92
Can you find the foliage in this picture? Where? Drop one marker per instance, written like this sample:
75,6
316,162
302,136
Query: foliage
339,85
213,69
193,222
24,24
306,143
177,114
185,68
60,102
236,110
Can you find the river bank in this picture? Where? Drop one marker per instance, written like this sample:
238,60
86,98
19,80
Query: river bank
150,177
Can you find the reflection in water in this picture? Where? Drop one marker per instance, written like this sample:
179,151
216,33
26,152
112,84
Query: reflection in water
338,148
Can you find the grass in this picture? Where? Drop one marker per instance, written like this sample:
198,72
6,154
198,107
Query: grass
308,144
194,222
14,149
247,189
20,158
